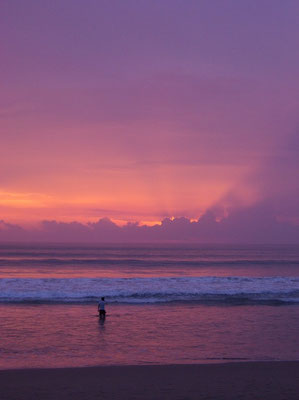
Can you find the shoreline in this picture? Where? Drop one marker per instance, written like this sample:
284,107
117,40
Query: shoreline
212,362
275,380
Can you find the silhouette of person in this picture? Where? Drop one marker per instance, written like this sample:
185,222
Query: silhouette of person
101,308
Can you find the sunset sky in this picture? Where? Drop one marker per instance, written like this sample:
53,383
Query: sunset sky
139,111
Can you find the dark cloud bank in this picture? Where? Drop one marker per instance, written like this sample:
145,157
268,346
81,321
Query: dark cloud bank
251,225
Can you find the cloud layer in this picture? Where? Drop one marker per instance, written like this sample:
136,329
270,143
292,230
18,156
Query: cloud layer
247,225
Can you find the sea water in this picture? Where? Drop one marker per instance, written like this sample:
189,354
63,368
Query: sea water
166,304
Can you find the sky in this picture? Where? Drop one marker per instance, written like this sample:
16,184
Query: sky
150,120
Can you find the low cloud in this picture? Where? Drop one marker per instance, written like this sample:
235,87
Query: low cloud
256,224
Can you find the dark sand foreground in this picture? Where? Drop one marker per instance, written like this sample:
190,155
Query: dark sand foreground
240,381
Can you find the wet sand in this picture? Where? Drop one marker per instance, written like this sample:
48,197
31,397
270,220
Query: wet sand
231,381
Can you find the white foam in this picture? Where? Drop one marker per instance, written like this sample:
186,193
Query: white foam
148,290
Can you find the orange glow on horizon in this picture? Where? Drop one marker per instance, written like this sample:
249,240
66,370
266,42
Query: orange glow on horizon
145,195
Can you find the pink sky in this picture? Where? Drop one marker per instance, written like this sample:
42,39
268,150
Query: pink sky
139,111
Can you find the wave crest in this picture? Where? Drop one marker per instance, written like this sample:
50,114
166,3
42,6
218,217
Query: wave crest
226,290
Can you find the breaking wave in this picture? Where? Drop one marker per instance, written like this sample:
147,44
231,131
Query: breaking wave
226,290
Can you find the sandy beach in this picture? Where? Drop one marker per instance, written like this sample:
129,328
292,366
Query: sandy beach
254,380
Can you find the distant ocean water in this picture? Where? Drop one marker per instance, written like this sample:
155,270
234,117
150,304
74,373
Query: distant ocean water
149,274
48,296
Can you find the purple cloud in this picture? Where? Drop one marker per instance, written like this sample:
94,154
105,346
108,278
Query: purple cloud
256,224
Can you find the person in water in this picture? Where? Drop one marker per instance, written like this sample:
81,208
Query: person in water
101,308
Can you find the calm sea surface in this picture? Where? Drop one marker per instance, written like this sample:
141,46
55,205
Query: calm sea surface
165,304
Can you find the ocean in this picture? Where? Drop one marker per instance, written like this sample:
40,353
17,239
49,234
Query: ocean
166,304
